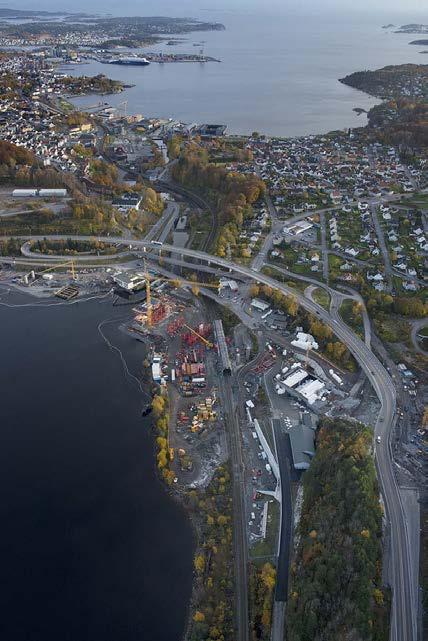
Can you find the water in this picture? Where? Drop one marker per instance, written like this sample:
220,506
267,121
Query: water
278,75
91,546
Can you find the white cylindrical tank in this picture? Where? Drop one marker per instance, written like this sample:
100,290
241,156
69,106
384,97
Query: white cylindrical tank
58,193
24,193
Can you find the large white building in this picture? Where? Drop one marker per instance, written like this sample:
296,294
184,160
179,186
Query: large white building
130,281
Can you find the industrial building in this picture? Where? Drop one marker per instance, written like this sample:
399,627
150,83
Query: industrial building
260,305
301,383
305,341
228,284
298,228
130,281
39,193
211,131
302,441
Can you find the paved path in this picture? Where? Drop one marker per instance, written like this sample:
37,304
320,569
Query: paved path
416,327
382,245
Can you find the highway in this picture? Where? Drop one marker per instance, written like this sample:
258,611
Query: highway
403,582
165,223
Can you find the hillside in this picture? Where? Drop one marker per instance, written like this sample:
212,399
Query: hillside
336,578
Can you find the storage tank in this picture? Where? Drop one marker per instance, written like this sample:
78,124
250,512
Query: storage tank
24,193
58,193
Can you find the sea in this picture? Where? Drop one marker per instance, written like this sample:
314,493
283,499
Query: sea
278,74
92,548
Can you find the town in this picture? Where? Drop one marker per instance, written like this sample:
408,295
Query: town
279,287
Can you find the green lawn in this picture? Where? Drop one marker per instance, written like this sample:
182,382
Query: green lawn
321,297
355,321
268,546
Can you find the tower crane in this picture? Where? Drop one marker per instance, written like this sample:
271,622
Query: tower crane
178,283
204,340
70,263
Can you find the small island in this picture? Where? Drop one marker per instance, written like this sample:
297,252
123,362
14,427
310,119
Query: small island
413,28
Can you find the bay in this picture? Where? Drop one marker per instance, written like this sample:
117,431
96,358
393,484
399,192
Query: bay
278,73
91,545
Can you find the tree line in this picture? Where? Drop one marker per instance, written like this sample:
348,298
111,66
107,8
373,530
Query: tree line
231,193
336,579
213,594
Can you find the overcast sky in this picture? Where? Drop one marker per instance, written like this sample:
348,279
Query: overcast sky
180,7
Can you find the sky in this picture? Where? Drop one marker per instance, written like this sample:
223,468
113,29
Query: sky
179,7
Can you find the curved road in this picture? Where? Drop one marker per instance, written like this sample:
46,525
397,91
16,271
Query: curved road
404,600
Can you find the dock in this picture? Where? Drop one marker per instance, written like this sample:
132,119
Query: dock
67,292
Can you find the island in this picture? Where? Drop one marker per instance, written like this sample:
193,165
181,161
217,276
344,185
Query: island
413,28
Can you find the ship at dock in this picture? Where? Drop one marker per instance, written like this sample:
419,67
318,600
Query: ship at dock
140,62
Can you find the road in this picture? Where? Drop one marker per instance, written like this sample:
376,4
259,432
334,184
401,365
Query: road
259,259
324,248
403,582
163,226
196,200
416,326
382,244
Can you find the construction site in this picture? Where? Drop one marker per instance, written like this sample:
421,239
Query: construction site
186,354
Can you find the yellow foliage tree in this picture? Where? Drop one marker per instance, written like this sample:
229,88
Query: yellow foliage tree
199,563
158,405
199,616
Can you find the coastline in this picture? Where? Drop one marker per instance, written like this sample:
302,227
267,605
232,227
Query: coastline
118,460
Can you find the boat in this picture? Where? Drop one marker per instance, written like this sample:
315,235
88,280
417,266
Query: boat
141,62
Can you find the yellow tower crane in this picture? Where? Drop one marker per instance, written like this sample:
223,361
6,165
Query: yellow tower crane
70,263
204,340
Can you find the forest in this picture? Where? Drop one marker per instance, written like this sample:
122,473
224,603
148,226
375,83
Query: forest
336,592
231,193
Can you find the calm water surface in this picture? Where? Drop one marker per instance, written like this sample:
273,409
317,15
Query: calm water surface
91,546
278,74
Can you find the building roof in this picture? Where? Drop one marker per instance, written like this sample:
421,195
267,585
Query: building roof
260,304
302,440
310,390
295,378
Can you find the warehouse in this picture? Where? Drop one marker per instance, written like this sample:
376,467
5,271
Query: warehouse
302,441
130,281
260,305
